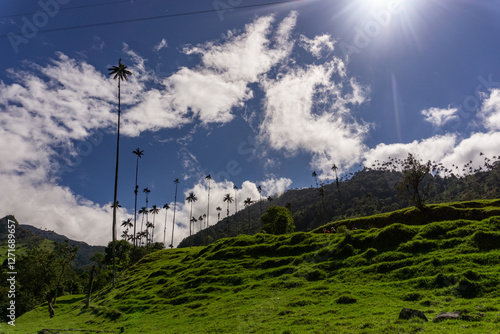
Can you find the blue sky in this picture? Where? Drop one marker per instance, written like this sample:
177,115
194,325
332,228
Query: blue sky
250,92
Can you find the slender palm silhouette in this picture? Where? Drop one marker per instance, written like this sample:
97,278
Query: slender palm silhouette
166,207
176,181
193,220
139,154
219,209
127,223
190,199
335,168
247,203
154,210
125,235
209,178
270,199
147,191
235,199
259,189
200,219
228,199
143,210
121,73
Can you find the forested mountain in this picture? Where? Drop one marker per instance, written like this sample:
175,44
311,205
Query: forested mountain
363,193
28,236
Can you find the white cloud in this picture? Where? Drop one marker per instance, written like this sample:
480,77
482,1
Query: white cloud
306,111
447,149
470,148
42,114
47,109
210,91
318,46
433,149
490,111
161,44
276,187
439,117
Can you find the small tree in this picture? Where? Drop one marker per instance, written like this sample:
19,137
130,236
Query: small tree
414,172
277,220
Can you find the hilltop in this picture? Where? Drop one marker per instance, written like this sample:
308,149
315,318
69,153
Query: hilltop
28,236
444,259
364,193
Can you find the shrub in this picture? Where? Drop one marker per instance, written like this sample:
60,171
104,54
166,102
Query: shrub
467,288
412,297
487,240
277,220
346,299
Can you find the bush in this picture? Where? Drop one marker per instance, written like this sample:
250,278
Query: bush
345,299
277,220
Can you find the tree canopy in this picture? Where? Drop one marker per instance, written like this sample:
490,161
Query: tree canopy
277,220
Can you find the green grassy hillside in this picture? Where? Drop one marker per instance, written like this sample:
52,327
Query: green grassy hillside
355,281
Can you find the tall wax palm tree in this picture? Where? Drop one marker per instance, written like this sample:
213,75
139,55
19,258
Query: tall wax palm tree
154,210
259,189
200,219
205,220
335,168
127,224
315,177
235,199
208,177
190,199
228,199
147,191
247,203
143,210
219,209
176,181
166,207
149,225
121,73
193,220
270,199
125,235
139,154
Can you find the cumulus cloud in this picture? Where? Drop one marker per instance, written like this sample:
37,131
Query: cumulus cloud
433,149
439,117
48,109
210,91
306,110
490,111
43,113
448,149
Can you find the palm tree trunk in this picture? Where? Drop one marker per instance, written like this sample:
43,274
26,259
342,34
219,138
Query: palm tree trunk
208,207
165,229
173,222
135,205
115,204
190,217
153,229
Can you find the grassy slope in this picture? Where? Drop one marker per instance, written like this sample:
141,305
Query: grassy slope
351,282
